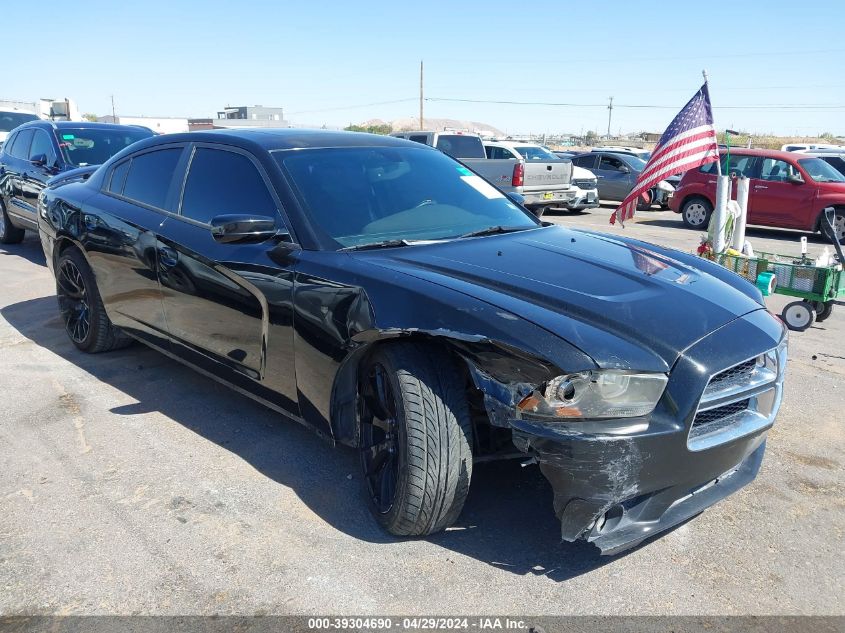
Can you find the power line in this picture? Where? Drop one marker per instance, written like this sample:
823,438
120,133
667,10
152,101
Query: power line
766,106
350,107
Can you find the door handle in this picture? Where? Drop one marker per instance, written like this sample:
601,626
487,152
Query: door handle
168,257
711,182
760,187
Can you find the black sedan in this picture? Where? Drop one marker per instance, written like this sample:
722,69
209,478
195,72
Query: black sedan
37,152
383,294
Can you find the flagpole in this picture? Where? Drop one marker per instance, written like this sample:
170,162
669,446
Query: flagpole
719,158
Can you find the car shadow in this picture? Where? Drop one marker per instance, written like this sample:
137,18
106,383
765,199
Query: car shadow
770,233
507,522
30,249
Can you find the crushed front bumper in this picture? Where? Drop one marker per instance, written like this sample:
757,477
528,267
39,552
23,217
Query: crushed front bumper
618,482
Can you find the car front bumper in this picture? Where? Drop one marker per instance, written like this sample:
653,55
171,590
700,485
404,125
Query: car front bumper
642,476
583,200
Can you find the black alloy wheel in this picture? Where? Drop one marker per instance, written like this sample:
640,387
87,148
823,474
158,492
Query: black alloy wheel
73,301
379,438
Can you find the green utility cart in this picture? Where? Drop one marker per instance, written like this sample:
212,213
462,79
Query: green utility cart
817,287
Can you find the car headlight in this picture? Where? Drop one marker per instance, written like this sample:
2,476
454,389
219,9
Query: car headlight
596,394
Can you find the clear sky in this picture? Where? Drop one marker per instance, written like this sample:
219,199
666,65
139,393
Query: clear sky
317,59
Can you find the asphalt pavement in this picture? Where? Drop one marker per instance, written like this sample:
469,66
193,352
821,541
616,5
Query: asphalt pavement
132,485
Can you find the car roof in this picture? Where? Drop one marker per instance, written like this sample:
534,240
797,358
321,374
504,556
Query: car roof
286,138
78,125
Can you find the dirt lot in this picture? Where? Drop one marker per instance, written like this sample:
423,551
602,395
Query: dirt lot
133,485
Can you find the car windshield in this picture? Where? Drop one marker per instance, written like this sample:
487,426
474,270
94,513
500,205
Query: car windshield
94,146
367,195
10,120
535,153
820,171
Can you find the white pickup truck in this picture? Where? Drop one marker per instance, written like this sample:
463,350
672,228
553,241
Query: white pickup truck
541,184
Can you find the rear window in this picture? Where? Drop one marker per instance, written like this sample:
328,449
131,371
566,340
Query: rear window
836,162
536,153
94,146
460,146
10,120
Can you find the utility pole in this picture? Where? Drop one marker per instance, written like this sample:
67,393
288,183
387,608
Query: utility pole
609,115
113,116
421,94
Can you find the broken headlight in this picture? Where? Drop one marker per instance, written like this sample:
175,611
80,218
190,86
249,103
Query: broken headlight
596,394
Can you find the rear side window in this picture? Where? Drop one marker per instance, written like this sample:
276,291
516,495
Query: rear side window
836,162
419,138
21,147
118,177
221,182
741,165
10,141
148,180
587,162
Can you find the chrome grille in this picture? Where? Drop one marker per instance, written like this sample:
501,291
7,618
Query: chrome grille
737,374
720,416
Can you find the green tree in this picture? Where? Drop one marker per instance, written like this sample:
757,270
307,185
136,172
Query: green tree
90,116
371,129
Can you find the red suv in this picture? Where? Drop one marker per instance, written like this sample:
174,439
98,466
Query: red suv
788,190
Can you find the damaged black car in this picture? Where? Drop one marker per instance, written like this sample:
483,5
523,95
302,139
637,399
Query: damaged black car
385,295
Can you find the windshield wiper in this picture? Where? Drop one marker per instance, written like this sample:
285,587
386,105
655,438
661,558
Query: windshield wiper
493,230
374,245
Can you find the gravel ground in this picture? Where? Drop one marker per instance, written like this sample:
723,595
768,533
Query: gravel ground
131,484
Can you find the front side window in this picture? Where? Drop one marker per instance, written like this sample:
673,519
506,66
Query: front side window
21,147
94,146
610,163
42,146
222,182
363,195
150,175
820,171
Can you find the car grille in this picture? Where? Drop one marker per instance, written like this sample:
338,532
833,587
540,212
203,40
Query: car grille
738,401
584,184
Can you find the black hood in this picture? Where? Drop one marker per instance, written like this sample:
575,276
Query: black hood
625,304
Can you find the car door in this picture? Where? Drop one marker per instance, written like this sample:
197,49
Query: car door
774,199
42,165
15,167
229,305
119,236
614,178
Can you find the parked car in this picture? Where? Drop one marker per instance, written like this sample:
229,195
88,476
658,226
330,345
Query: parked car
617,174
788,190
12,118
539,184
834,158
376,291
808,147
582,184
40,150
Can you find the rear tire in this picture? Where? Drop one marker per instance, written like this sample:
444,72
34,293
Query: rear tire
9,234
823,310
696,213
416,438
81,307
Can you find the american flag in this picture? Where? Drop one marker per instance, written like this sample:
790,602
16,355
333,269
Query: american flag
688,142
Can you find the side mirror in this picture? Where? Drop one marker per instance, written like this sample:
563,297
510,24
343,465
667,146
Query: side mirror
516,197
230,229
795,178
39,160
625,169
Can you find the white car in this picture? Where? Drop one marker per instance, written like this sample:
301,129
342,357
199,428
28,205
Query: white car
12,118
583,182
805,147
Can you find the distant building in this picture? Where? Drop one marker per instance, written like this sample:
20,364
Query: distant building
159,125
242,117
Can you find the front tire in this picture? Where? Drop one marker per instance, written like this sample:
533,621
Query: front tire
823,310
696,213
9,234
799,315
86,322
416,438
